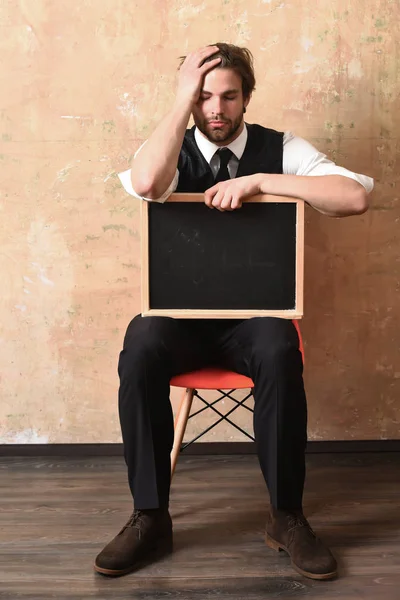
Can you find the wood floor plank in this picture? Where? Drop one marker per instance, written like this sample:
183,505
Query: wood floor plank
56,515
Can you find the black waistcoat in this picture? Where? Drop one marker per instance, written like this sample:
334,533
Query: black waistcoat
263,154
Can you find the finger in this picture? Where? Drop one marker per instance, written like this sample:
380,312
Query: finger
236,203
209,195
207,66
226,202
208,50
202,54
213,190
218,199
208,198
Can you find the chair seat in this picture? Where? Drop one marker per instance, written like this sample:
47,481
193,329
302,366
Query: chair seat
212,378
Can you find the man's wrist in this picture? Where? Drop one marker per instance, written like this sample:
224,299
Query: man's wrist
261,183
183,106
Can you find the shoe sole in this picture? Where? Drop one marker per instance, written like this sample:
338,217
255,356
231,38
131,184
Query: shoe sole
271,543
153,555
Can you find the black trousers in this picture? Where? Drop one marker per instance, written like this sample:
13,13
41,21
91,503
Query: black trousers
265,349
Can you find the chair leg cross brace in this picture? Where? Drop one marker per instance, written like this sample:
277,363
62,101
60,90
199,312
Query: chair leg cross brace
223,417
223,395
183,415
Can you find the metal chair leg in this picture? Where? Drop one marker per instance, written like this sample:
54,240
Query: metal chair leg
180,426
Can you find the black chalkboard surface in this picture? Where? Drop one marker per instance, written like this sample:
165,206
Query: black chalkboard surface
199,262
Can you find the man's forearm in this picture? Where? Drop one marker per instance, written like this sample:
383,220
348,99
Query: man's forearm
333,195
154,166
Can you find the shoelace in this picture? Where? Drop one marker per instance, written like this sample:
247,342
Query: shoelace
136,521
299,520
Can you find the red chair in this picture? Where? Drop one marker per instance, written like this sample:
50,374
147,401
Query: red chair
210,379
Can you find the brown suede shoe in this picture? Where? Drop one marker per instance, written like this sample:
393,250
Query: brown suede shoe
290,531
146,536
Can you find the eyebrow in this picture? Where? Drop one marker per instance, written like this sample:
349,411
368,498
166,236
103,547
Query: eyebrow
233,91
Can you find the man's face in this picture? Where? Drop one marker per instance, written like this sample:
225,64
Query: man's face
218,113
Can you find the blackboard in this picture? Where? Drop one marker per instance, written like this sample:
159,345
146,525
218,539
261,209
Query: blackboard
200,262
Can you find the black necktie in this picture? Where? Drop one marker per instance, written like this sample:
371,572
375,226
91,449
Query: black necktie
224,157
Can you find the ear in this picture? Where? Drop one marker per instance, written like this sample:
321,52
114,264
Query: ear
246,101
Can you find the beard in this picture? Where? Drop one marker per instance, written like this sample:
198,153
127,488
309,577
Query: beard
219,135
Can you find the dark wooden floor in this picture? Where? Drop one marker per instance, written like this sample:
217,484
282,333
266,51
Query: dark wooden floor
56,515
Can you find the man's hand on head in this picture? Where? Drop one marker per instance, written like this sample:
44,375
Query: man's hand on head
229,195
192,72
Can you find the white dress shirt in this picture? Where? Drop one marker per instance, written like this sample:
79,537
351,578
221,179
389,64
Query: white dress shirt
299,158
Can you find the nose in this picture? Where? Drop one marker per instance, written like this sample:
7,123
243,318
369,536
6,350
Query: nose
216,106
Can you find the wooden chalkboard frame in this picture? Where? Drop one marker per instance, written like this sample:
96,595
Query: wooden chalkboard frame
295,313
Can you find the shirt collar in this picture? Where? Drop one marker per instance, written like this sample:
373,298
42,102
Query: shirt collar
208,149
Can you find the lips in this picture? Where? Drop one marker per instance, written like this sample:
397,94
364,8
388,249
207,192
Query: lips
217,123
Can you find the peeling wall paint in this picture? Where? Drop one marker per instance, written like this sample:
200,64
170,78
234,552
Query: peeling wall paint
81,86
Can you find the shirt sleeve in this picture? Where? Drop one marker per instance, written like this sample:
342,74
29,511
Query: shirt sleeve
301,158
125,179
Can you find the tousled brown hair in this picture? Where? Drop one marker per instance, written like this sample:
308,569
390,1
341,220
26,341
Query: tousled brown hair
239,60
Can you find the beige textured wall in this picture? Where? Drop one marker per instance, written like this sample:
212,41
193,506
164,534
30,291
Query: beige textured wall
82,84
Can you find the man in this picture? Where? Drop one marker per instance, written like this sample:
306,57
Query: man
228,161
